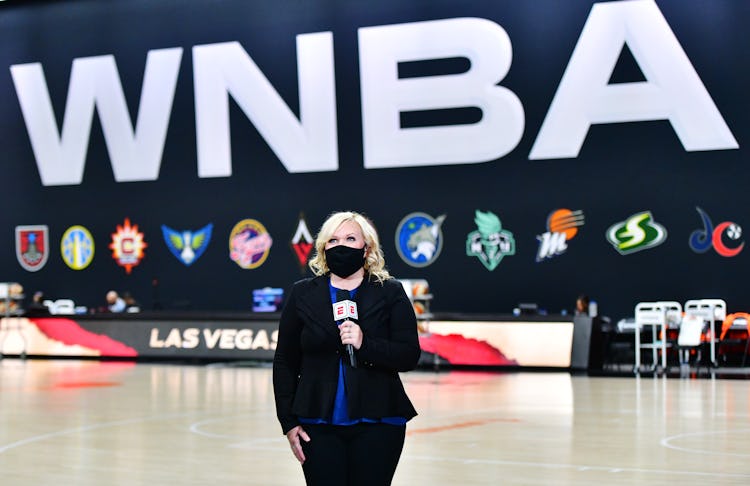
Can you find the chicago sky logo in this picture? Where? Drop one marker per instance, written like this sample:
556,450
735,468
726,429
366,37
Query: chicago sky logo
302,243
32,246
77,247
249,244
562,226
127,246
701,240
638,232
419,239
187,246
490,242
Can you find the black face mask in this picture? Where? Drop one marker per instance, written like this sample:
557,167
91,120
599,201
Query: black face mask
344,261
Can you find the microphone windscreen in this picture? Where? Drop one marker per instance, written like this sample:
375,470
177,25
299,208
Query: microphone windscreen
342,295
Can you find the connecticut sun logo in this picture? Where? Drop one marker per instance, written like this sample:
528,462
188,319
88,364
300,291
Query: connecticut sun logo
249,244
127,246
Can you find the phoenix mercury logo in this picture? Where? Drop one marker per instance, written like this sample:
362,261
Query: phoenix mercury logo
702,240
638,232
562,226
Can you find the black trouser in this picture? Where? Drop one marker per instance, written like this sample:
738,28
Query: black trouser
352,455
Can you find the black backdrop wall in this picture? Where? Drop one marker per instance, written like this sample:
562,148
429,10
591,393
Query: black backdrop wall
623,168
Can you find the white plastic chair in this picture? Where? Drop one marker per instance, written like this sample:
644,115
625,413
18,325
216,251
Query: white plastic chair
659,316
710,310
691,331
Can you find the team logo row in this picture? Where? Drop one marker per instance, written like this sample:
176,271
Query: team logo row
419,237
419,240
249,245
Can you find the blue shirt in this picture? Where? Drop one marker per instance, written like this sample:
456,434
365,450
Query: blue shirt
340,405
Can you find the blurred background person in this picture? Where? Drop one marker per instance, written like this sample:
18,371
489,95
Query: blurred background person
115,303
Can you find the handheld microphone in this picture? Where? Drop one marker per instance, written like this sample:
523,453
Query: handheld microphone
344,309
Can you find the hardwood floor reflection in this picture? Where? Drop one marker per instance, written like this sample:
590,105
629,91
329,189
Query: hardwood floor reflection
91,423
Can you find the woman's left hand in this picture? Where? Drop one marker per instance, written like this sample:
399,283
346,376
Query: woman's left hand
351,333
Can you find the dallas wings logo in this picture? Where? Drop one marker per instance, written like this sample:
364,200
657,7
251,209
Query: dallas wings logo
490,242
127,246
638,232
186,245
562,226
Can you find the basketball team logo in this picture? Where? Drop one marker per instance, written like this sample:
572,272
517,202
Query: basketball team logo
127,246
249,244
77,247
490,243
32,246
186,245
724,238
419,239
562,226
302,243
638,232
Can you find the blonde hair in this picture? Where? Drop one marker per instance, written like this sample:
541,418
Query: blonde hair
374,261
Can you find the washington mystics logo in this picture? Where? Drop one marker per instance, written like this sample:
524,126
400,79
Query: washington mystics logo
419,239
187,246
702,240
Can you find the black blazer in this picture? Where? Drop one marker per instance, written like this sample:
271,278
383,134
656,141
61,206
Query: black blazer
308,351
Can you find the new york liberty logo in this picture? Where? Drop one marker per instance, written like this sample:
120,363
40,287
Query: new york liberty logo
490,243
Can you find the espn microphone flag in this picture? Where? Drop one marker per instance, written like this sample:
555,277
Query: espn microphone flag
344,309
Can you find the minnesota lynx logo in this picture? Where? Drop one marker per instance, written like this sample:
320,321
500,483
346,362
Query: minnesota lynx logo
490,242
562,226
419,239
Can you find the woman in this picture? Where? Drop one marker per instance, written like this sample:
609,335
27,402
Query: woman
345,424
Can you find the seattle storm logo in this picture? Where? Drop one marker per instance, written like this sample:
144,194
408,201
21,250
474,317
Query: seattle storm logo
490,242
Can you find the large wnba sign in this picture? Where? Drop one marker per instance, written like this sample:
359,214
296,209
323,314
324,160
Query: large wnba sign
672,91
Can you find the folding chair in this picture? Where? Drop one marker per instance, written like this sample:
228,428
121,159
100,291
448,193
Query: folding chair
659,316
690,338
710,310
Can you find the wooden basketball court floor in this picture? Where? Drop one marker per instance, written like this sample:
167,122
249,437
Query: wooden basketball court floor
110,423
